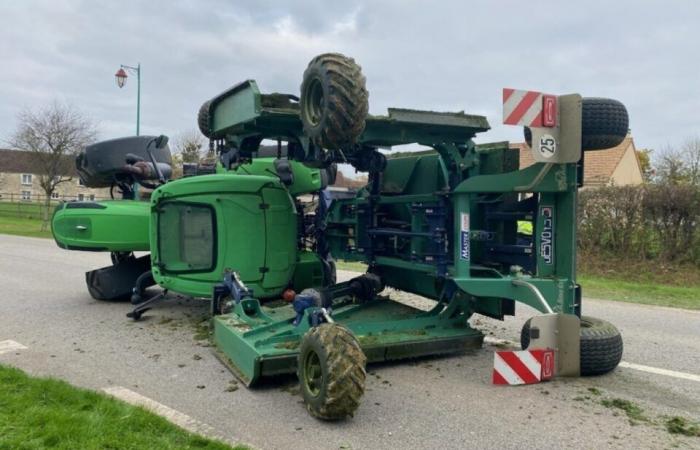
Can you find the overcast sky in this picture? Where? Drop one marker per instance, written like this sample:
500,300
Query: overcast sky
446,56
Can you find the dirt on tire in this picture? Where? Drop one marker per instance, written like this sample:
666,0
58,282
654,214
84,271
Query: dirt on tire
334,101
343,368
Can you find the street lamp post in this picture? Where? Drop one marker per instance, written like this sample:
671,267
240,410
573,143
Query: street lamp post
121,77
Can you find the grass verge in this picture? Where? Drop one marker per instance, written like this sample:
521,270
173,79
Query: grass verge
594,286
21,226
48,413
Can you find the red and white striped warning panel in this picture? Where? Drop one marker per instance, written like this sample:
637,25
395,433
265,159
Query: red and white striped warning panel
523,367
529,108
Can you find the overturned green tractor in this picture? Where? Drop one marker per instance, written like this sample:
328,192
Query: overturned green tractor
441,223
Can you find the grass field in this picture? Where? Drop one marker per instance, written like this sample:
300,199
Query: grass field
593,286
24,218
48,413
24,210
23,227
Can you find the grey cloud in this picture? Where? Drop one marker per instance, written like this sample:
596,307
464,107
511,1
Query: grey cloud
434,55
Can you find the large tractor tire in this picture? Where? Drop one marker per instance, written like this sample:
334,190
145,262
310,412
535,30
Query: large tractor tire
604,124
601,345
331,371
334,101
203,119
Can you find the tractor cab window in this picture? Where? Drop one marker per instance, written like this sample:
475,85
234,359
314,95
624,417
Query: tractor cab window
186,237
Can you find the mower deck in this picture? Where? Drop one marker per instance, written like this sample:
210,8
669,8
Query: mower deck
258,341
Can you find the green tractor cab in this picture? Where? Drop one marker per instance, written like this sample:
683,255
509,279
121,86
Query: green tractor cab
202,225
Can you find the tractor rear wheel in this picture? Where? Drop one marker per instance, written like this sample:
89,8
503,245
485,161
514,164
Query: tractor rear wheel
331,371
604,124
334,101
601,345
203,119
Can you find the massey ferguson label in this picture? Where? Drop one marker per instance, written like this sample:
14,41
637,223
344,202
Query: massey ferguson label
464,237
547,235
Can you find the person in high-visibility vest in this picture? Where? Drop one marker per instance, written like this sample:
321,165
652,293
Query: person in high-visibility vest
525,227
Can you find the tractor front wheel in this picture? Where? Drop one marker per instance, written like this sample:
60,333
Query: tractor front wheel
601,345
331,371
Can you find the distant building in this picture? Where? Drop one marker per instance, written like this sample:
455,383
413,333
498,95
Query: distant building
20,182
617,165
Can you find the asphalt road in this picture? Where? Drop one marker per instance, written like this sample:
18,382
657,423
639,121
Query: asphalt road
428,403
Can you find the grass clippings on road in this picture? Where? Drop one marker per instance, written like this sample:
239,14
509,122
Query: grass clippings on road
48,413
681,425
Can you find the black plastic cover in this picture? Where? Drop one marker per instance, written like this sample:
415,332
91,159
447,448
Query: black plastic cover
101,164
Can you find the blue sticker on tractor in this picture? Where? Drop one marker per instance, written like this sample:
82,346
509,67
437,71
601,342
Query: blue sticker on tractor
547,235
464,251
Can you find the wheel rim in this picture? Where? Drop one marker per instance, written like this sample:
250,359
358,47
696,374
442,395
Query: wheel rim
313,374
313,102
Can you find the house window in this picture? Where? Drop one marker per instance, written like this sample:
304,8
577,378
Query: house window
80,182
92,197
81,197
26,195
55,195
27,179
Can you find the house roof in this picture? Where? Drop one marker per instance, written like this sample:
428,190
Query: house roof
598,166
19,161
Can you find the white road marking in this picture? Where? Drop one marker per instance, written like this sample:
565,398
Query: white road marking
658,371
627,365
10,346
180,419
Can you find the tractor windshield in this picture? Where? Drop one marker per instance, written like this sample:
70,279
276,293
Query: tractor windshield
186,237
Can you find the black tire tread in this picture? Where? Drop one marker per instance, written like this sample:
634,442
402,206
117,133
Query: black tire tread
203,119
347,100
604,124
345,371
601,345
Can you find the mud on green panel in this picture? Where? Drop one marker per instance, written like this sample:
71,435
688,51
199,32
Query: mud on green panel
110,226
203,225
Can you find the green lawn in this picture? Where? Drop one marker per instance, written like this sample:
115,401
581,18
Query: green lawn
687,297
47,413
22,227
26,210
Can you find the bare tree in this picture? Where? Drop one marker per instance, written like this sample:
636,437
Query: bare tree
690,154
189,145
680,165
53,134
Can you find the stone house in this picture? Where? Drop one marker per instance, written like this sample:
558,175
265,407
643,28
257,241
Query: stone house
20,182
618,165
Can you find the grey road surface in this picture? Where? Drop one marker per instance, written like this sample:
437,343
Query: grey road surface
428,403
